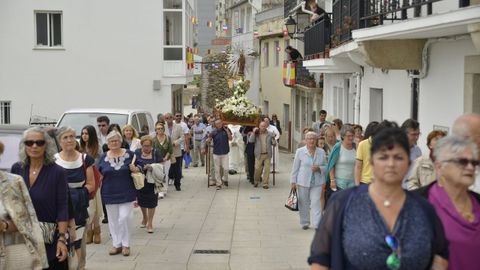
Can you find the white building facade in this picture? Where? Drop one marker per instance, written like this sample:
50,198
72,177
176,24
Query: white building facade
57,55
425,64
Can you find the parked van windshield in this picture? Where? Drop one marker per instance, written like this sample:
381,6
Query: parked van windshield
78,120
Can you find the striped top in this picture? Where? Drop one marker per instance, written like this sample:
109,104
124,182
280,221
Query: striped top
75,170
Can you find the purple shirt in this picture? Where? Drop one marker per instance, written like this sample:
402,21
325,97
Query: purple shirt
49,195
463,236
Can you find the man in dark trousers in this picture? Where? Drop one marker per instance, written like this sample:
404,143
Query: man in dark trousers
220,136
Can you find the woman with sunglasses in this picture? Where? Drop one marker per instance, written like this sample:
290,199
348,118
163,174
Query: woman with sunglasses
380,226
456,160
90,145
47,185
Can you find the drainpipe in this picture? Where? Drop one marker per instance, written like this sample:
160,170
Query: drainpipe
357,97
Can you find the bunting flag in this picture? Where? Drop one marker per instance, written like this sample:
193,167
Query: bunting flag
210,51
209,24
194,20
289,74
255,31
225,28
195,50
190,62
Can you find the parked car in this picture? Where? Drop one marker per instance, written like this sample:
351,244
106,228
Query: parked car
141,120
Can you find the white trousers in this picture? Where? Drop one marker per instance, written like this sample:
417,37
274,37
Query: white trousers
308,200
221,162
120,223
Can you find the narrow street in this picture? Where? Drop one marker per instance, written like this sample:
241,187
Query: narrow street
250,224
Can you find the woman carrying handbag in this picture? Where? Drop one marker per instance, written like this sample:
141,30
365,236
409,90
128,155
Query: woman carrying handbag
21,242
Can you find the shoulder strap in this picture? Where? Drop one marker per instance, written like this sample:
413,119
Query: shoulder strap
83,163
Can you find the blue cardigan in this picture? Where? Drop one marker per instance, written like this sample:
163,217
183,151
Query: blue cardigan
327,248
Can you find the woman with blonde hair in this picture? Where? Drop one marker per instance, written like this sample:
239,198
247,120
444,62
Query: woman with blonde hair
19,223
130,135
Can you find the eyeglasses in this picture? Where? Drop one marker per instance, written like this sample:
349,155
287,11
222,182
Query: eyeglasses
463,162
101,125
30,143
393,260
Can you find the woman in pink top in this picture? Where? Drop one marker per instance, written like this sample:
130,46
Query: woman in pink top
456,161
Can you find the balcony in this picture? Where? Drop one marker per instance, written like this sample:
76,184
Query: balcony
302,76
317,39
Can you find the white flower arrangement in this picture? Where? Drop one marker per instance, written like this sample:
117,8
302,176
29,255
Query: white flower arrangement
238,105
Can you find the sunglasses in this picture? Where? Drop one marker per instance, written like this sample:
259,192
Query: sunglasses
30,143
393,260
463,162
102,125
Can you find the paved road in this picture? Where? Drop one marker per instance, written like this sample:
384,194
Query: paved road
250,223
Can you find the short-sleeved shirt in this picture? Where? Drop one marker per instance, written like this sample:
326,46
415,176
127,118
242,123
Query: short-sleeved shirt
344,168
364,155
117,183
200,127
220,142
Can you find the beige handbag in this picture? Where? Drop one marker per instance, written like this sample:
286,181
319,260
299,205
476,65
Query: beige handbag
18,256
138,177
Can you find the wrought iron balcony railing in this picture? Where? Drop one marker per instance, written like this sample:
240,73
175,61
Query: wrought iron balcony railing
317,38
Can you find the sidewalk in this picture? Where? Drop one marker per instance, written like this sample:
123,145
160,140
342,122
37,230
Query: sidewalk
251,224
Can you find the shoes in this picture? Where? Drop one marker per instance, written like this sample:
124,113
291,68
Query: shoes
161,195
213,183
177,188
105,220
126,251
97,238
196,165
115,251
225,183
143,225
231,172
265,187
203,165
305,227
150,230
170,182
219,187
255,185
89,236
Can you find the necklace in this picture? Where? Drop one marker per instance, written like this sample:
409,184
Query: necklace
387,201
36,170
465,211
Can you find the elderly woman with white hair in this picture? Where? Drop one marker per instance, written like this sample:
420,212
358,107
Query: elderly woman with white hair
118,192
456,162
308,178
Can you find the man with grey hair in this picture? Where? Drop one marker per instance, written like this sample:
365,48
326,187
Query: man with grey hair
263,140
468,126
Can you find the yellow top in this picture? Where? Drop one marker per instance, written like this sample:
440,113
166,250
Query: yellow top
364,155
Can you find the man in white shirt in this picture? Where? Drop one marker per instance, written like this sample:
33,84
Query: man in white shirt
102,122
186,133
198,129
468,126
273,129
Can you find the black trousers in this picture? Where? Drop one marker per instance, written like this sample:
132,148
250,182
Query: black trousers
56,265
175,171
250,151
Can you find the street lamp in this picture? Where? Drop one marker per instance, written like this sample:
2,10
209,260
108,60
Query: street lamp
291,25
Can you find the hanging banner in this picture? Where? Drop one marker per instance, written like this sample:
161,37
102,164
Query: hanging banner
289,74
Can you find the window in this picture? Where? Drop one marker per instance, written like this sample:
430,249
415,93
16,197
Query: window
286,44
5,112
376,104
265,54
277,53
173,41
48,29
172,4
265,107
286,116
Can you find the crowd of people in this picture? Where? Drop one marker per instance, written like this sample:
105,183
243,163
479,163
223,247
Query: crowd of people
378,203
375,201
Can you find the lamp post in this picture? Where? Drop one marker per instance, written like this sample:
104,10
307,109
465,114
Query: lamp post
291,26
